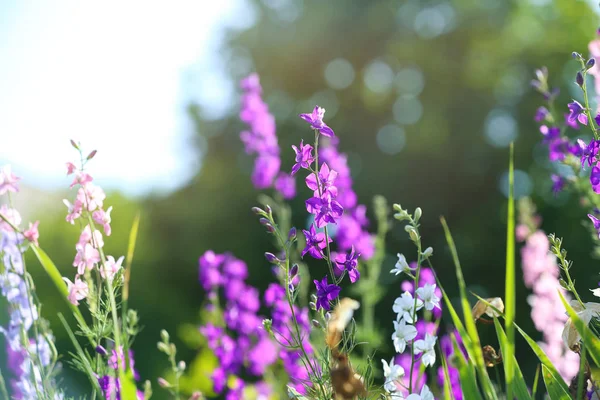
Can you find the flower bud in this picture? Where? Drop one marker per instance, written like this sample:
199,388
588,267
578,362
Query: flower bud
291,287
181,365
162,382
164,335
412,232
418,213
293,271
590,63
163,347
92,154
270,228
268,209
579,78
313,298
75,145
427,253
272,258
315,323
267,325
101,350
292,234
312,306
264,221
575,54
258,211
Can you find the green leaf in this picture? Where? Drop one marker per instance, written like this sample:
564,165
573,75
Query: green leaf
475,353
133,233
509,285
555,390
56,277
590,341
127,381
447,392
468,381
543,359
520,386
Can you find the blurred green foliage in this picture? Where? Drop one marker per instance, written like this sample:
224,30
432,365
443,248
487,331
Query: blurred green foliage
475,56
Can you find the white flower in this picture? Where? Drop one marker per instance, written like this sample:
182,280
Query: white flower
427,294
425,394
596,292
427,253
404,307
570,335
401,266
392,373
402,334
427,348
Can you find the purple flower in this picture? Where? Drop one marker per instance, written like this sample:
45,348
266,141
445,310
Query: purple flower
266,167
315,119
304,157
596,223
558,149
326,179
541,113
571,124
286,185
315,242
549,134
325,209
349,262
558,183
588,152
595,178
326,293
577,112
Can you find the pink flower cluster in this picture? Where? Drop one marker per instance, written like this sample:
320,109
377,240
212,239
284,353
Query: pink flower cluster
541,274
89,204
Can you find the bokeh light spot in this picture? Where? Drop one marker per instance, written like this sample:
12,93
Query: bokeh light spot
391,139
500,128
378,77
407,110
339,73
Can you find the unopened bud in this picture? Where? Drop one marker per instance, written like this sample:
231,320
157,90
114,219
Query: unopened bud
292,234
101,350
267,325
412,233
181,365
427,253
162,382
579,78
91,155
313,298
291,287
575,55
312,306
163,347
268,208
264,221
75,145
418,213
294,271
258,211
164,335
590,63
272,258
270,228
315,323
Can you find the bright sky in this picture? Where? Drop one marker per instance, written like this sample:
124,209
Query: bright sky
114,75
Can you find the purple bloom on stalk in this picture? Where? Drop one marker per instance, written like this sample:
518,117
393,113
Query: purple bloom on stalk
595,178
588,152
325,209
326,179
558,149
315,119
577,112
349,262
596,223
315,242
266,167
326,293
286,185
572,124
541,113
558,183
304,157
549,134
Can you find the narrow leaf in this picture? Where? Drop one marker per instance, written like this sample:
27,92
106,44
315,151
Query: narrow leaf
468,381
554,388
521,391
509,285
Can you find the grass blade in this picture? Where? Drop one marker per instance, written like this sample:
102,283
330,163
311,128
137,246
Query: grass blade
477,356
520,387
555,390
536,380
509,284
468,381
125,294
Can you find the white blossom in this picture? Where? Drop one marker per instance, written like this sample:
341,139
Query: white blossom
404,306
401,266
427,294
426,347
402,335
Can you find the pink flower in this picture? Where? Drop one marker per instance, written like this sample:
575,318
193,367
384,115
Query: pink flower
11,215
86,237
91,196
85,258
103,218
73,211
8,180
81,178
32,233
77,291
111,267
521,232
71,168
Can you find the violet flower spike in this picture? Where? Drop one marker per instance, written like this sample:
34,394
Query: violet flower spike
596,223
349,262
595,178
577,112
325,209
589,152
315,119
558,183
315,242
326,293
326,179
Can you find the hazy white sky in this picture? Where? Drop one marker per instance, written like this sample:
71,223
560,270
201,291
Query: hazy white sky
112,75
